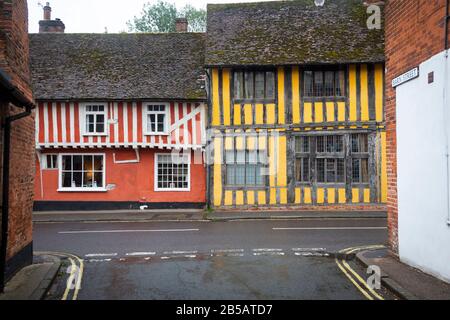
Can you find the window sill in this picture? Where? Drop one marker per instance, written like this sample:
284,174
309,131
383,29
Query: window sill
156,133
82,190
95,134
172,190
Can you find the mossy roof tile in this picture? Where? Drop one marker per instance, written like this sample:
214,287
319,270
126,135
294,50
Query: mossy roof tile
291,32
117,66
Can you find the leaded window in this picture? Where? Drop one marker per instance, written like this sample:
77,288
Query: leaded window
244,168
254,85
321,83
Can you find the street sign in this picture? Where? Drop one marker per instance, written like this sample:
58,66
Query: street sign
411,74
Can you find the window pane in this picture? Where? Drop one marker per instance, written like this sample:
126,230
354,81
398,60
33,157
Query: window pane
252,157
355,171
98,163
77,162
308,87
240,156
66,162
230,174
363,143
318,84
331,173
249,85
229,156
240,174
340,171
87,179
340,83
87,163
305,177
98,180
239,85
259,85
329,84
66,179
330,146
320,144
151,123
100,118
77,177
355,143
302,144
270,85
339,143
259,175
364,170
320,170
100,127
250,178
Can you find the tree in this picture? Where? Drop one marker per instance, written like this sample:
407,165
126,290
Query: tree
160,17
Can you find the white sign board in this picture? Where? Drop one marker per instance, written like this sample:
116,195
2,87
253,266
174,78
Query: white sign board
412,74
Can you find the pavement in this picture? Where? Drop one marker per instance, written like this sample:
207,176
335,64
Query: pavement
405,281
33,281
194,215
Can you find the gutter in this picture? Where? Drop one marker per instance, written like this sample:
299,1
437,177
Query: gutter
16,97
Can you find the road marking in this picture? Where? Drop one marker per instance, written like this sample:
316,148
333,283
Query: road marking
99,260
180,252
133,254
73,268
311,254
190,256
91,255
309,249
127,231
273,253
72,259
333,228
226,250
344,266
266,250
353,281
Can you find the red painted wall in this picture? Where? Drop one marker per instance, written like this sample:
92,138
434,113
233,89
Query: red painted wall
134,181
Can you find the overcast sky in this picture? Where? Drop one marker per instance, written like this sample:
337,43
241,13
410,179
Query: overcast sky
94,15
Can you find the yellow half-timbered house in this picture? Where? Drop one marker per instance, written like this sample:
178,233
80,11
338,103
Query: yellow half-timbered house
296,110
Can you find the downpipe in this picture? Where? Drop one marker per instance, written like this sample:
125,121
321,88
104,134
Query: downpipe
5,193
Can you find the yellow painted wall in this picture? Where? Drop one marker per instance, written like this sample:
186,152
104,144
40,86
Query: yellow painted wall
302,112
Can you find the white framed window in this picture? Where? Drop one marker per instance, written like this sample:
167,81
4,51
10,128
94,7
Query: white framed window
156,118
95,119
172,172
82,172
50,161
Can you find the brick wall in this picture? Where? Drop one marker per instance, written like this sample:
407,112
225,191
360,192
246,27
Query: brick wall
14,61
414,33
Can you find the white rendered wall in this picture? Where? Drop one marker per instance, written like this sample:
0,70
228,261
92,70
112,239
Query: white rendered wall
423,232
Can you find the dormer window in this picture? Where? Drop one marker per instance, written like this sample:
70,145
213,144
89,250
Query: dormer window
254,85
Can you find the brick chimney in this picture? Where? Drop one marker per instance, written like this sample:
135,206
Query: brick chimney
181,25
48,25
47,11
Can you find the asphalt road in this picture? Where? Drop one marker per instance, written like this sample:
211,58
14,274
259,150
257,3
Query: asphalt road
260,259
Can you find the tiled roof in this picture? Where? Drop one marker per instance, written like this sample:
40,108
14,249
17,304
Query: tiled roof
117,66
291,32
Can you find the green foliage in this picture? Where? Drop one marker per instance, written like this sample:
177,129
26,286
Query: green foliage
160,17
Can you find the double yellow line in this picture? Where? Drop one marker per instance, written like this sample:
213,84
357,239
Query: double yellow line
75,264
354,277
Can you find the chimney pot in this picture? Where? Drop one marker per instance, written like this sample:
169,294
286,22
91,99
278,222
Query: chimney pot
47,11
181,25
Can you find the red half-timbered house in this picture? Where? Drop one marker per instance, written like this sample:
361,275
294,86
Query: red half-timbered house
120,120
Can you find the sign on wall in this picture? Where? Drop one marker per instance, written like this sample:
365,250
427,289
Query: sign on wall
407,76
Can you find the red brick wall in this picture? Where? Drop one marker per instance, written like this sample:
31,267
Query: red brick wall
14,60
414,33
